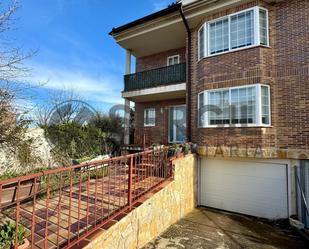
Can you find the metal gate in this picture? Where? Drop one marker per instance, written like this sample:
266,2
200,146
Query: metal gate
302,192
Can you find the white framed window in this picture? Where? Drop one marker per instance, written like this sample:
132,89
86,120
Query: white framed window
263,24
242,29
201,42
218,36
236,106
173,60
150,117
237,31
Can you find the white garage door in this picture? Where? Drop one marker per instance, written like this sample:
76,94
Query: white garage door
253,188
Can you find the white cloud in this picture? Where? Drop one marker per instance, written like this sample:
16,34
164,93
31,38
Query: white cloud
24,106
102,88
160,4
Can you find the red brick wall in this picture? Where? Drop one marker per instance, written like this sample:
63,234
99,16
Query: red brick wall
158,60
158,133
291,63
283,66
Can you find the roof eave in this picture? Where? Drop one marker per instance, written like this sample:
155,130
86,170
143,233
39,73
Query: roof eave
170,9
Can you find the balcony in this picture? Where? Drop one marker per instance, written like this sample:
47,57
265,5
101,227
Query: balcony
157,77
157,84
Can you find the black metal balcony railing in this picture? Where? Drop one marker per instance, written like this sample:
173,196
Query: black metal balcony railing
156,77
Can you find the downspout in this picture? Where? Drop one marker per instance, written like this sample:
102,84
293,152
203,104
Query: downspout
188,92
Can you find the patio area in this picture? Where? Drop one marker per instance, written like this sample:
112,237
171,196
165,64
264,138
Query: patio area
65,215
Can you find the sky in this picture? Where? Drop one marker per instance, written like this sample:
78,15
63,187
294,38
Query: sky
74,48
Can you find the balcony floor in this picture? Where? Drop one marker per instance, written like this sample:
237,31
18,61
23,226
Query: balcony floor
115,197
175,91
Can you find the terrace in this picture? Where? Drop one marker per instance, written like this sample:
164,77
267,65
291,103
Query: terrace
64,206
160,83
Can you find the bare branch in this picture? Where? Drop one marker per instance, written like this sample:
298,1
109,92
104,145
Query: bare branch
12,86
6,16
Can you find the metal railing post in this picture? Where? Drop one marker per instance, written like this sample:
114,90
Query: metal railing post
302,194
130,183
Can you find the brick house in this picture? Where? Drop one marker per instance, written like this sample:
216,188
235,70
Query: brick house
232,77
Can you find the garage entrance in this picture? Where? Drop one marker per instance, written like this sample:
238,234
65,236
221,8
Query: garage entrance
257,188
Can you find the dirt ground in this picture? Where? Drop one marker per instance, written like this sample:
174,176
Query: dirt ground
207,228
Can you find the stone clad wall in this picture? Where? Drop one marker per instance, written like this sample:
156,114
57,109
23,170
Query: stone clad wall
157,213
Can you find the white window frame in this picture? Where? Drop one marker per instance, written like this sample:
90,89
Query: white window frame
154,118
256,38
258,26
173,57
258,106
169,123
205,43
207,38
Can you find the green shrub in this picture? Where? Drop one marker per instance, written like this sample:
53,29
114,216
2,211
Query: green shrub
8,233
73,140
186,148
24,153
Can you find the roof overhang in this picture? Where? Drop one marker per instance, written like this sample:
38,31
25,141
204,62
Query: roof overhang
196,11
161,31
164,30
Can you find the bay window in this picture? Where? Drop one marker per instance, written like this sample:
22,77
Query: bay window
218,35
201,35
240,30
265,105
263,23
235,106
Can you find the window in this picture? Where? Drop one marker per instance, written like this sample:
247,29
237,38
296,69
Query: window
240,30
243,102
242,26
245,105
173,60
263,26
201,40
265,105
149,117
218,36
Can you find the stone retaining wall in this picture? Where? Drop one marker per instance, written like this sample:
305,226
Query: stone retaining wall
157,213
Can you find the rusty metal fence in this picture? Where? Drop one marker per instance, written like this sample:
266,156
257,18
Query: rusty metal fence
61,207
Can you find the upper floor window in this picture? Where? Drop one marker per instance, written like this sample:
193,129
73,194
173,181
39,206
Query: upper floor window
150,117
235,106
173,60
240,30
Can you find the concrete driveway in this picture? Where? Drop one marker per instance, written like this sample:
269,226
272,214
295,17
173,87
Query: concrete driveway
207,228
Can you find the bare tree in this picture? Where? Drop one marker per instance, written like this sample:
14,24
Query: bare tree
61,106
12,83
11,56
